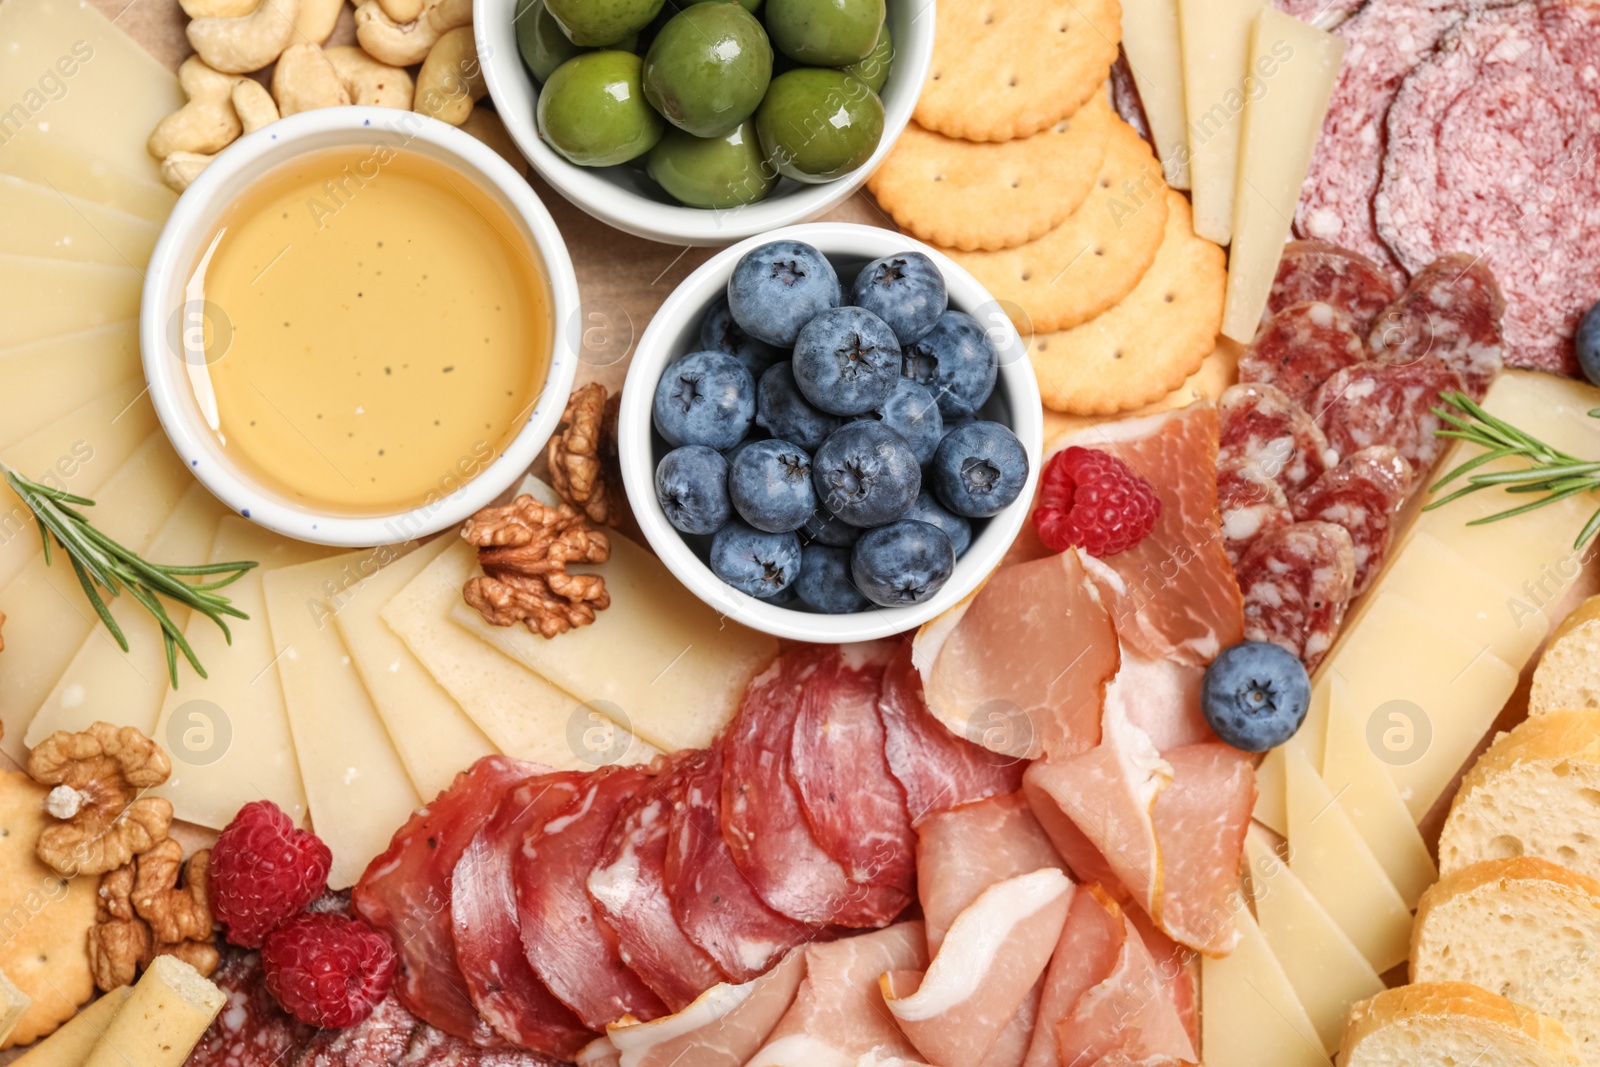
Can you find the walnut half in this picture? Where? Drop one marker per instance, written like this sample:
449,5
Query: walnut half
144,914
578,455
524,549
96,778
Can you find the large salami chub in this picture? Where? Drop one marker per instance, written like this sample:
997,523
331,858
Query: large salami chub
1451,310
1297,582
1384,404
1363,494
1262,428
1301,347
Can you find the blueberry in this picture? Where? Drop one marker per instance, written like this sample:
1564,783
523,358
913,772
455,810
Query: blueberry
906,291
825,584
1589,344
770,485
928,510
1255,695
719,333
692,486
956,361
866,474
826,528
783,412
778,288
911,413
753,562
846,361
979,469
707,398
903,563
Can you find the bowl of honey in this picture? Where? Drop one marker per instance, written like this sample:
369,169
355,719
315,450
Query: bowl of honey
357,326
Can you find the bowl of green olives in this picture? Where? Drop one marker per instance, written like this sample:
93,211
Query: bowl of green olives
704,121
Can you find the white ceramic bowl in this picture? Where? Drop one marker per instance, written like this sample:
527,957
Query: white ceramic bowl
626,198
674,333
163,317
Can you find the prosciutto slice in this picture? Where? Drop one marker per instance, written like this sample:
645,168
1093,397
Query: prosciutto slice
1200,822
1084,954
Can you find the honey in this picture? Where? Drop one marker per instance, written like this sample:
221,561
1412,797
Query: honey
378,330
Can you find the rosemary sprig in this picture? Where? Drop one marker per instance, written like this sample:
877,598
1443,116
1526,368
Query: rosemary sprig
1551,473
102,564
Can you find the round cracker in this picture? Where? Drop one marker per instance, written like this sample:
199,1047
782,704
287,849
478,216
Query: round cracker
968,195
1217,371
1097,255
1146,346
1010,68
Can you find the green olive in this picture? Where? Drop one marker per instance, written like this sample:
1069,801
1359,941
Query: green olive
818,124
708,68
543,43
825,33
593,110
874,70
713,172
602,23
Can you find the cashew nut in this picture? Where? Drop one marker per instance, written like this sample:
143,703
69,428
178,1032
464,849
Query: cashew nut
485,125
400,44
207,122
217,9
451,79
317,19
180,169
253,104
369,82
402,10
305,80
247,43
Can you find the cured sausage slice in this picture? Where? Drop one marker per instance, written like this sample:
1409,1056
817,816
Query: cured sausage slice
381,1037
1300,347
1313,271
1263,429
1452,309
1252,503
435,1048
1297,583
251,1030
1385,404
1363,494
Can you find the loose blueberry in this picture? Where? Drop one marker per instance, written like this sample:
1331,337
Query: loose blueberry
825,583
770,485
928,510
906,291
979,469
911,412
826,528
784,413
866,474
955,361
1255,695
753,562
707,398
778,288
1589,344
692,486
903,563
719,333
846,361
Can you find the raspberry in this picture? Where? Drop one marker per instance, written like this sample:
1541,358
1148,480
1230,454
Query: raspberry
327,969
1094,501
263,870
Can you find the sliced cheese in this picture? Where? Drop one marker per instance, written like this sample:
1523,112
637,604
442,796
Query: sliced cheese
14,1004
1324,967
70,1045
1354,774
79,172
1294,67
105,684
1272,803
163,1019
50,297
36,220
47,379
1154,50
434,737
1329,857
228,733
1251,1016
356,788
1217,82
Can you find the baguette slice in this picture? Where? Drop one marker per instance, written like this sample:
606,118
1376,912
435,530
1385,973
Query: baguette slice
1450,1024
1535,792
1525,928
1568,674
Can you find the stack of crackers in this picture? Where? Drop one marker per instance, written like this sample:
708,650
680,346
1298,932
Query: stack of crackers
1018,168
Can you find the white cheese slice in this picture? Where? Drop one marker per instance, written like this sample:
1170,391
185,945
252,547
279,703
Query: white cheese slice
1151,42
36,220
1217,82
47,379
356,788
46,297
436,740
1252,1017
1293,68
1272,802
80,172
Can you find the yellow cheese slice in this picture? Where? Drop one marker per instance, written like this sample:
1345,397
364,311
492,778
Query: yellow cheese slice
1252,1017
36,220
434,737
356,788
69,1046
1155,55
1272,802
170,1008
45,380
47,297
1215,37
1329,857
80,172
228,733
1324,967
1294,67
104,683
14,1003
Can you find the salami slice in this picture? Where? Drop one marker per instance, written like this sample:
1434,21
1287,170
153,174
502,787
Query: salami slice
1297,582
1384,404
1252,504
1453,310
381,1037
251,1030
1316,271
1125,98
1300,347
430,1047
1264,429
1363,494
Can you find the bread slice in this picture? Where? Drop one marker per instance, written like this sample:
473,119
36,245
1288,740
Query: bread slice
1535,792
1451,1024
1568,674
1524,928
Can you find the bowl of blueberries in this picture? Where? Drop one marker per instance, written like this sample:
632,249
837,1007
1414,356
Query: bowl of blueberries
830,433
704,121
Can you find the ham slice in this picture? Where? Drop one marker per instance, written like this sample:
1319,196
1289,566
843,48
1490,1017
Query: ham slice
985,969
1021,666
1079,853
1162,698
1200,822
1084,954
1179,967
1011,1047
838,1015
964,851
